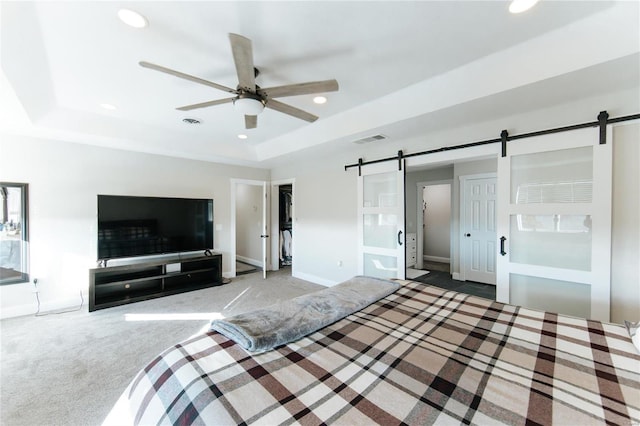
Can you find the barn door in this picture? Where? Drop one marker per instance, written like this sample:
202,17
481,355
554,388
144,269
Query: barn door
381,233
554,224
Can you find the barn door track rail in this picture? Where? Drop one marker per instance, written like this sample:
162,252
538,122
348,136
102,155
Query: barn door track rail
602,121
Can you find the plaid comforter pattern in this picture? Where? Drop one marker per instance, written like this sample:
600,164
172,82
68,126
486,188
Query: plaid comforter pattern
420,356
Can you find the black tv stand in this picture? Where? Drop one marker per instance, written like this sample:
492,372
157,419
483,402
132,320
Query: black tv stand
118,285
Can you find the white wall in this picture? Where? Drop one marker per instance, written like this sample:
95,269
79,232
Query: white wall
412,199
249,223
64,179
324,231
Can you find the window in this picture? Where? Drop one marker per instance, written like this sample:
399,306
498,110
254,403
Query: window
14,253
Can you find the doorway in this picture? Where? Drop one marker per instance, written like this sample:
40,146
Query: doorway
435,221
436,211
282,224
441,168
249,227
285,222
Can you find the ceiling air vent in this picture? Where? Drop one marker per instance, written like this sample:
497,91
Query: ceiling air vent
370,139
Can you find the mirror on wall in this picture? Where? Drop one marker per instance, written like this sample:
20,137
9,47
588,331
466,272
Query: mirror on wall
14,261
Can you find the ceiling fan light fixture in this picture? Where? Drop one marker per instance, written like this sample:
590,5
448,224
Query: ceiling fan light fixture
320,100
132,18
242,136
248,104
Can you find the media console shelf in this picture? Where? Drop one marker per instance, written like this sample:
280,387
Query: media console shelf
116,285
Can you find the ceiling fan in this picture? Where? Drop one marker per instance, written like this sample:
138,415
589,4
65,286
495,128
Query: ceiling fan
251,99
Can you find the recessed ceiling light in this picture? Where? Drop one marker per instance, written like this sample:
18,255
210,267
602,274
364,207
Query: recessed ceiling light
242,136
519,6
320,100
132,18
109,107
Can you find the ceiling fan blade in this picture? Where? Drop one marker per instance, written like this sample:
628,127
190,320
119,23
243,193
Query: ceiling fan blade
301,88
243,58
205,104
250,121
290,110
186,76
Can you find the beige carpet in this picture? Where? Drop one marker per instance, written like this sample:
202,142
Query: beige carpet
245,268
70,369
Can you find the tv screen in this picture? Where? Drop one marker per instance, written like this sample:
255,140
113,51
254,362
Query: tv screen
140,226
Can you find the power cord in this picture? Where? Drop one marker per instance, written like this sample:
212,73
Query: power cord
38,314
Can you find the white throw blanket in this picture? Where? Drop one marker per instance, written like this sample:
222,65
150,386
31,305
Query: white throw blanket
290,320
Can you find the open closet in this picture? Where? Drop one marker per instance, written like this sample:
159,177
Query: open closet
286,224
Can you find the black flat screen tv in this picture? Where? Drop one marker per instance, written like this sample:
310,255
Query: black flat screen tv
141,226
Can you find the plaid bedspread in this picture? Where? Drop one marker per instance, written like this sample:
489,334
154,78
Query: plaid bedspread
419,356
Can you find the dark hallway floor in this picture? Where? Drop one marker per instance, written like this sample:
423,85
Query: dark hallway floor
443,280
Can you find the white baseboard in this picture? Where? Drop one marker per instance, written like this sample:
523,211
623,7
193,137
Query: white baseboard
314,279
436,259
68,303
456,276
18,311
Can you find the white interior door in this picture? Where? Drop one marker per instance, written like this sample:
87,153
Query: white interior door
554,220
381,233
478,230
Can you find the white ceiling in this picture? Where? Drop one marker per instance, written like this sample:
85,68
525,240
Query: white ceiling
403,68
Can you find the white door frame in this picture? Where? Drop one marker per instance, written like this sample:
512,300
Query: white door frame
275,223
265,225
420,220
462,220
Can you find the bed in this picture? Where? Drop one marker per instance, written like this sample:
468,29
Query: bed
421,355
